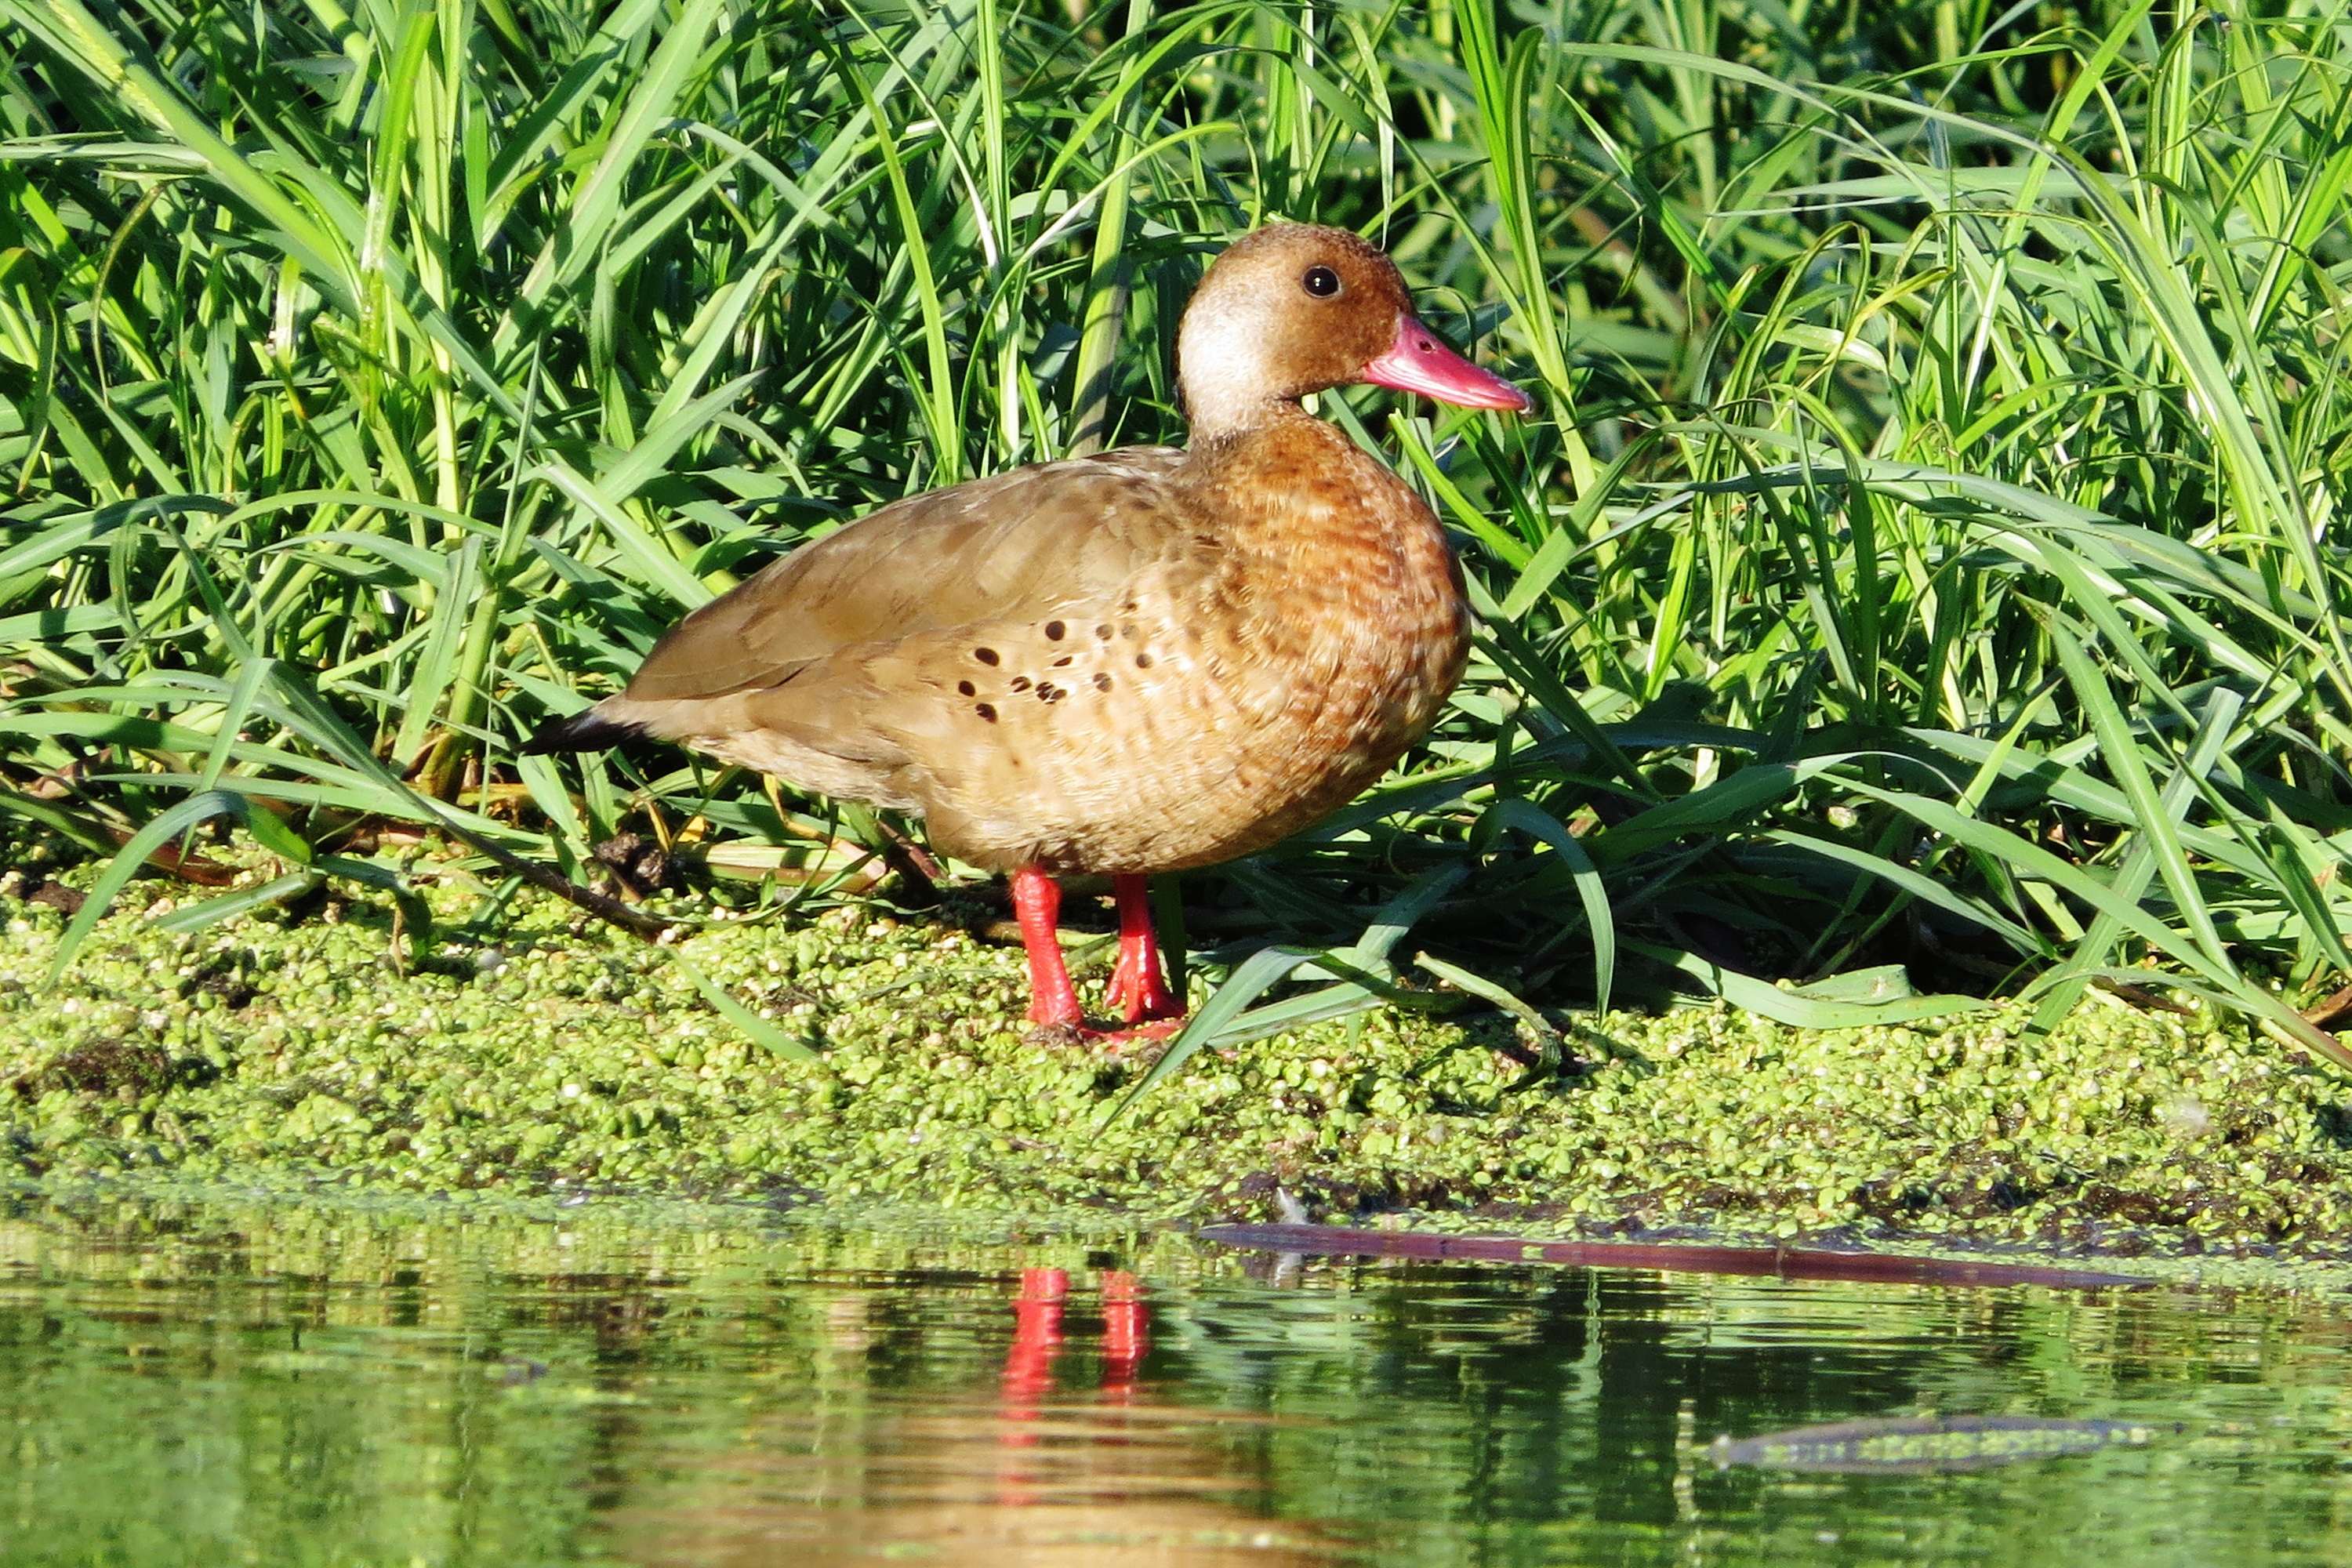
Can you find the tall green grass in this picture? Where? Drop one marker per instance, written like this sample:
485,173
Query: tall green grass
1922,553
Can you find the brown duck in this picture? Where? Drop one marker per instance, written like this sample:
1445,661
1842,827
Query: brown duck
1140,661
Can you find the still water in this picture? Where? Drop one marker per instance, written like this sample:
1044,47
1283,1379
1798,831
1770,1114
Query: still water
245,1382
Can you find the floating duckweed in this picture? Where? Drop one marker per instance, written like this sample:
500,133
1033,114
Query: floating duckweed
584,1059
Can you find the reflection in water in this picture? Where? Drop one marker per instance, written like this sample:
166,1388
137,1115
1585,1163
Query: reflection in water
267,1384
1041,1476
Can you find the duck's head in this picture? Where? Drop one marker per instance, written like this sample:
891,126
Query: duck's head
1296,308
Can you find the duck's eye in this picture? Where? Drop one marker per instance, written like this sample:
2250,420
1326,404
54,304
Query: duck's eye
1320,281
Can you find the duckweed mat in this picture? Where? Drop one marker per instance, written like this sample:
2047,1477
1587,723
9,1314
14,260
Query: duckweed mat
551,1057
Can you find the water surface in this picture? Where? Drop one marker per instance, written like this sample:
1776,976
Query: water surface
226,1383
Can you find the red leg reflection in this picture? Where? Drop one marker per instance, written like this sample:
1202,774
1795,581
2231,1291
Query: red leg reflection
1037,1340
1029,1377
1127,1332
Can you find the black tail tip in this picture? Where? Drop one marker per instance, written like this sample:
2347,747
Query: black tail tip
583,732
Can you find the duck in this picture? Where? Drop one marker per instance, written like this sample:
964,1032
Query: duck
1145,660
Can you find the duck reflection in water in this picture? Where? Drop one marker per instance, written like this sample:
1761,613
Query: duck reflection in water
1039,1475
1037,1341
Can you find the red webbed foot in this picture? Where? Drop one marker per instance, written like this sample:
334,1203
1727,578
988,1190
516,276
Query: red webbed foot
1138,987
1138,992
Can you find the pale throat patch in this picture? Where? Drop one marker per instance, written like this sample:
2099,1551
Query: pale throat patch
1222,362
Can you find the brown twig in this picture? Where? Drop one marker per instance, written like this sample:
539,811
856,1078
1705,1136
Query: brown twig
919,875
635,922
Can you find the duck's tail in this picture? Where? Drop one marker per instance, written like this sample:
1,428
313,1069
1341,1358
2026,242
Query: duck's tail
586,731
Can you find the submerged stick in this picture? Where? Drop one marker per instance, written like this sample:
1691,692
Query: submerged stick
1674,1258
1912,1444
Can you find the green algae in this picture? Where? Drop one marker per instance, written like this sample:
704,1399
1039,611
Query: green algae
548,1055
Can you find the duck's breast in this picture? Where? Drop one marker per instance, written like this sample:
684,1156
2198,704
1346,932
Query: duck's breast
1353,628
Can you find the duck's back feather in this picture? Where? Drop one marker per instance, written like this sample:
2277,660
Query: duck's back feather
1011,547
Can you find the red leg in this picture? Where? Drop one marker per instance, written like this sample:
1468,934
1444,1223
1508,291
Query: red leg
1037,905
1138,989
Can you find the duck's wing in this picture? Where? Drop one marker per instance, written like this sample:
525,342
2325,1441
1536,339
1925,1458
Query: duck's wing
1007,548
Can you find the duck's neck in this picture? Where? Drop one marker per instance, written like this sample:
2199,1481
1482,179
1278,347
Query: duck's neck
1304,514
1219,415
1285,468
